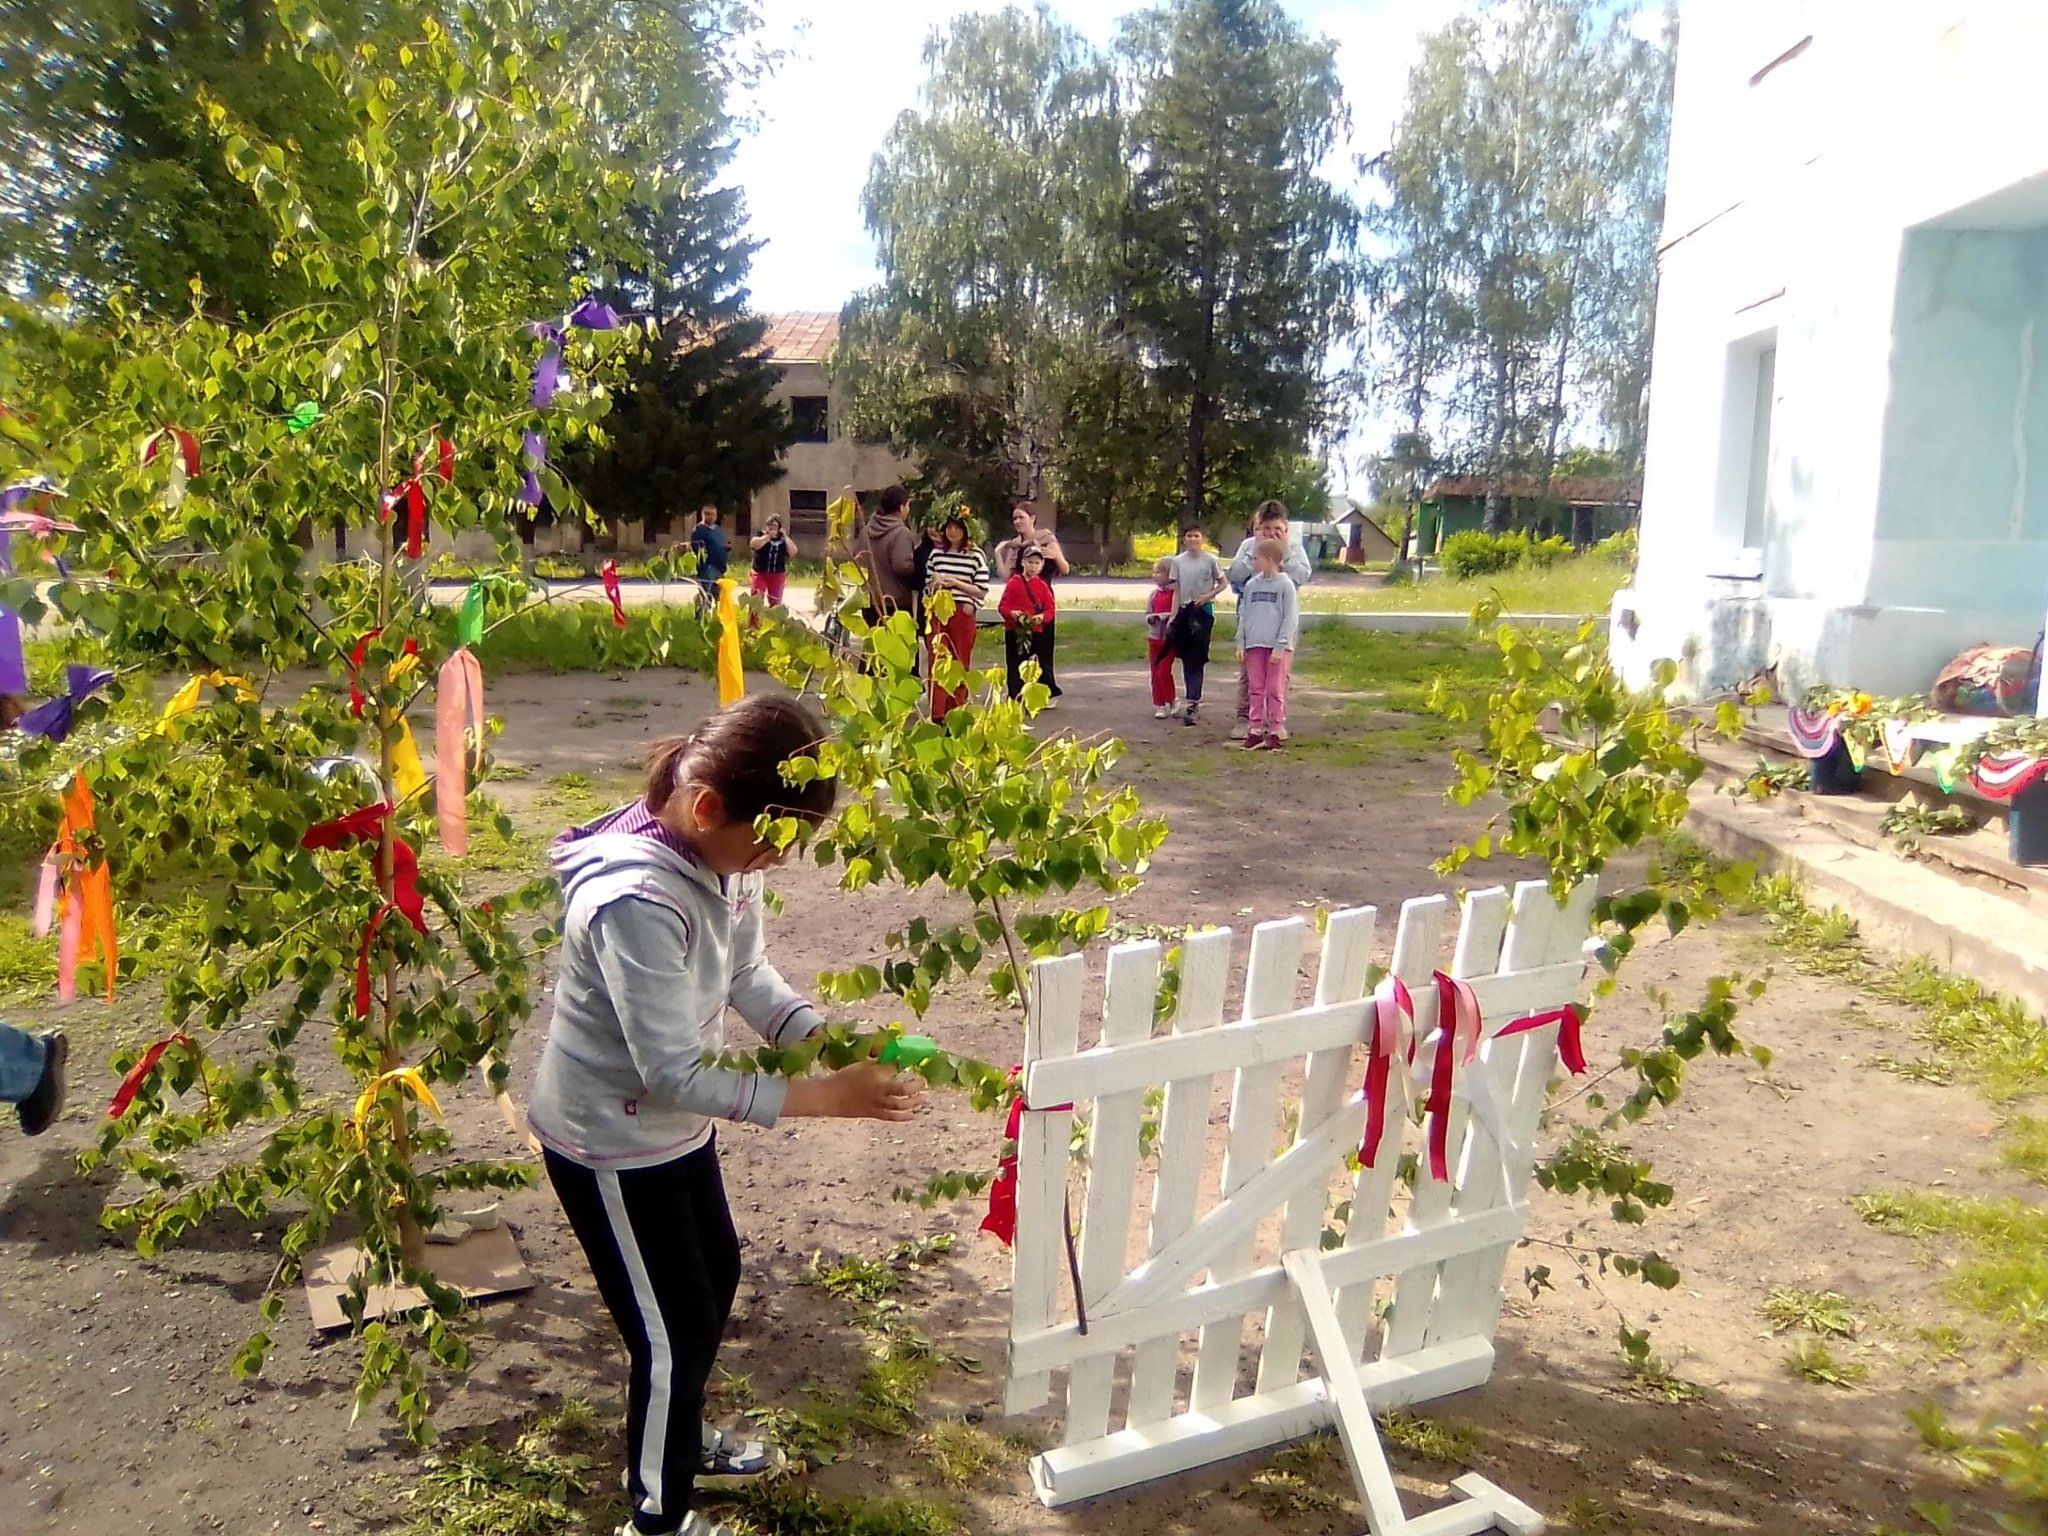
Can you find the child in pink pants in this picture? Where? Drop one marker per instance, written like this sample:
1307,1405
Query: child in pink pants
1268,622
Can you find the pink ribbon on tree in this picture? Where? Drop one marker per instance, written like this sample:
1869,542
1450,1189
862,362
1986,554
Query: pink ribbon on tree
458,712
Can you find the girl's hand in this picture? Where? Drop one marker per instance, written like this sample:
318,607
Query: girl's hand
867,1090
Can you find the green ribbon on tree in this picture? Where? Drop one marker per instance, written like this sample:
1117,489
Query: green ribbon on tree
303,415
469,622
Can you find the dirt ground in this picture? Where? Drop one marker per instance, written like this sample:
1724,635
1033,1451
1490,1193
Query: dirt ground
117,1412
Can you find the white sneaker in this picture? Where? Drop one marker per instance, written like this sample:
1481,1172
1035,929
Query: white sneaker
1237,731
695,1523
1163,712
1283,734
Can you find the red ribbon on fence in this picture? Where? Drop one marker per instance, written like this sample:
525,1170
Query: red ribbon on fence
1001,1220
1571,1045
137,1074
1388,1012
610,571
1457,1043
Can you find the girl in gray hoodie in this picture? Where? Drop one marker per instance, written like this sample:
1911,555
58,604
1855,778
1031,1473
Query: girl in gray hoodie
661,934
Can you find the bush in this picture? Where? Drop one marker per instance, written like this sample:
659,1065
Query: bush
1465,555
1620,548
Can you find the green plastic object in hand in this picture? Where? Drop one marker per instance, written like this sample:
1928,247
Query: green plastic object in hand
909,1051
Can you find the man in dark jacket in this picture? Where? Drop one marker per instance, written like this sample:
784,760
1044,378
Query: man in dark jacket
888,555
707,543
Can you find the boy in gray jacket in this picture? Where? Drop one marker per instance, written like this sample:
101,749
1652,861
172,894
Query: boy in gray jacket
1270,522
661,932
1268,622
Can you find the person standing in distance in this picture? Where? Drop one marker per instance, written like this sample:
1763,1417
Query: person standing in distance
1009,563
1269,522
707,543
1197,580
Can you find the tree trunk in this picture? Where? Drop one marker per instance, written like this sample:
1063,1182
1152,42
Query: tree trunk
1102,546
1496,518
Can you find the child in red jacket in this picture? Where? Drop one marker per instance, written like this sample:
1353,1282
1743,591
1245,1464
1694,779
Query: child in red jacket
1027,608
1158,647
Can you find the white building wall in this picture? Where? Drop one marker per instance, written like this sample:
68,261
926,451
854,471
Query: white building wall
1862,185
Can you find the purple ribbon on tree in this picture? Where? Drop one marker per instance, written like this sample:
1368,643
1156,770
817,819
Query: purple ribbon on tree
594,315
535,448
13,659
53,718
547,374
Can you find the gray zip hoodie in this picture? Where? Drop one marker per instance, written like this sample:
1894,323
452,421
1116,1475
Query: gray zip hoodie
654,948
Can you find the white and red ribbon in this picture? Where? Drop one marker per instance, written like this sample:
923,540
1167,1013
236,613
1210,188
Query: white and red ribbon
1390,1038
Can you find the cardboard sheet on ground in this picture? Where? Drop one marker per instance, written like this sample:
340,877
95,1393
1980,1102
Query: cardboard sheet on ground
484,1264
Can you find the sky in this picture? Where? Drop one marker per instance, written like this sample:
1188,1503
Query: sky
851,68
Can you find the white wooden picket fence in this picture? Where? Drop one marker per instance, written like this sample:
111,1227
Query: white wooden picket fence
1160,1380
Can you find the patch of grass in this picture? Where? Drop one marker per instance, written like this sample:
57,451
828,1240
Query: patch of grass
1438,1440
155,939
1918,1069
496,847
580,637
1589,1516
964,1455
1825,1313
1995,1042
855,1277
1945,1341
1296,1481
543,1484
2026,1147
786,1508
1647,1373
1813,1360
893,1384
2004,1273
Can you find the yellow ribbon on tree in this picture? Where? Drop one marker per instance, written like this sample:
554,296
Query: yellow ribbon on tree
186,699
732,681
406,769
406,1078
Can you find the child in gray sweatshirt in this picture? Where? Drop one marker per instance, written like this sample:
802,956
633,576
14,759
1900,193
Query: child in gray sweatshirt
1268,620
661,933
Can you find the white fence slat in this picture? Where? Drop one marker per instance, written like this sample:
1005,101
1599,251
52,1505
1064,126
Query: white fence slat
1129,991
1183,1131
1417,939
1246,1424
1532,926
1254,1105
1478,953
1184,1311
1052,1026
1340,978
1277,1041
1355,1427
1568,936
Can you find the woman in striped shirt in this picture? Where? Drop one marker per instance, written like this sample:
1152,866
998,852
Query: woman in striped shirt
957,566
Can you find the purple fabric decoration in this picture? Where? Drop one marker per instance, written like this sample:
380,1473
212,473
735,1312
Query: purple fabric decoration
14,496
53,718
536,448
6,551
529,489
13,660
547,377
594,315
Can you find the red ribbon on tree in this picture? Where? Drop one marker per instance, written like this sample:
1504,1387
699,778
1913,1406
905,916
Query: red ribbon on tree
1388,1012
610,572
363,960
444,460
414,498
1001,1220
139,1073
358,701
187,445
367,826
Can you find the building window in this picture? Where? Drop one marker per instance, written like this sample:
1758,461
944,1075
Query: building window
807,513
1749,405
812,416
